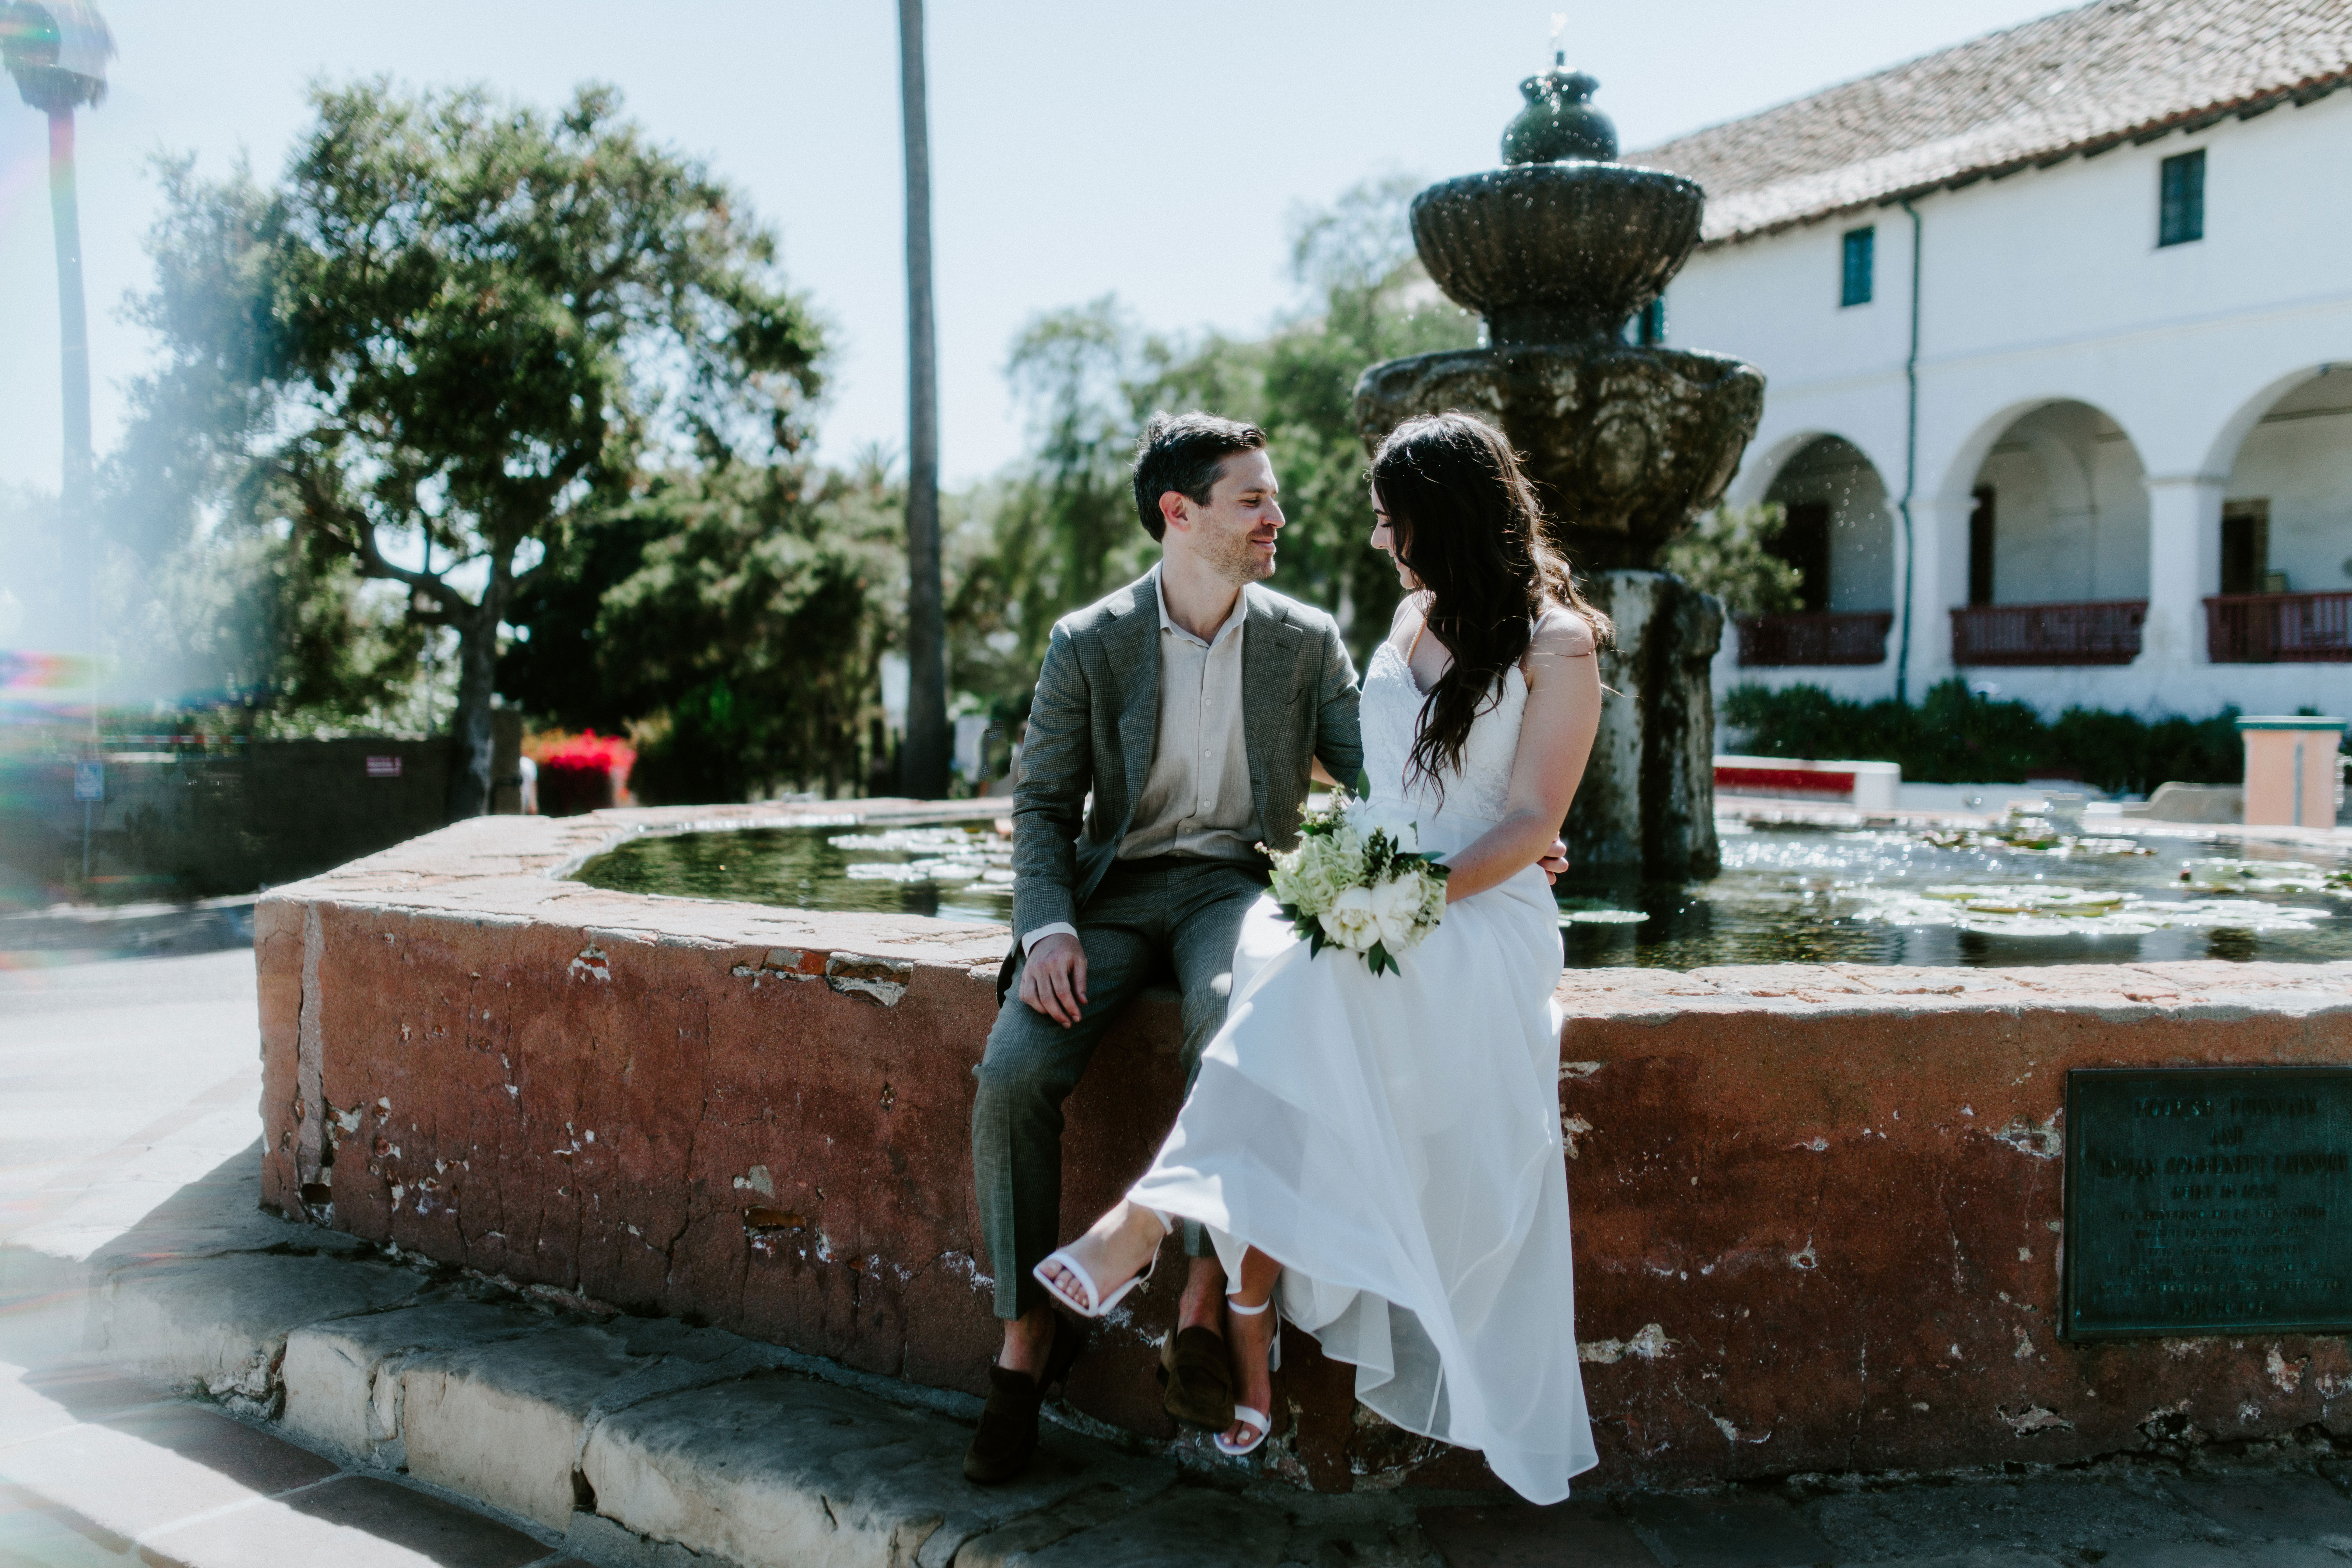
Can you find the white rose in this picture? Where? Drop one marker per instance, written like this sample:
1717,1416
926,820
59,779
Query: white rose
1401,822
1350,923
1396,907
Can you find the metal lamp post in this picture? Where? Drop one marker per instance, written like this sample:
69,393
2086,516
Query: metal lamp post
57,50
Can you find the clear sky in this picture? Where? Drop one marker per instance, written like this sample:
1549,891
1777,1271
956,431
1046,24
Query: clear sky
1080,147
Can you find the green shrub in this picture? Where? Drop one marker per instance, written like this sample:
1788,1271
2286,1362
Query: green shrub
1729,554
1955,736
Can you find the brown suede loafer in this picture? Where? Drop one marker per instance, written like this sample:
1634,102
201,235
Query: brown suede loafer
1197,1372
1007,1438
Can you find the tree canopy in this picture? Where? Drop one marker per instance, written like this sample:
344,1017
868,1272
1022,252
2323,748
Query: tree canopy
473,375
735,619
487,323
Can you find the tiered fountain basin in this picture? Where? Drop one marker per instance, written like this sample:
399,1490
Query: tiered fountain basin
1631,432
1818,1207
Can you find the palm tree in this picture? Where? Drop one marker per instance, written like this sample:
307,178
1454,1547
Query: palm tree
923,765
57,50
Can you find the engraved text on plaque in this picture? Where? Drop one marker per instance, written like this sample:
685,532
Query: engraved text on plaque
2208,1200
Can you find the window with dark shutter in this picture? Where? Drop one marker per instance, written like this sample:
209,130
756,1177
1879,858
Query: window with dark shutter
2180,215
1854,281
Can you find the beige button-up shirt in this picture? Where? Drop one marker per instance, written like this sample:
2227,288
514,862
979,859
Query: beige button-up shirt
1196,799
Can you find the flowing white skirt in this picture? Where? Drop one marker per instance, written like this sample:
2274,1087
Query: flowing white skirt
1394,1142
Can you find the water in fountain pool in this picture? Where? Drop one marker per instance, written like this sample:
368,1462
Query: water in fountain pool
949,870
2023,895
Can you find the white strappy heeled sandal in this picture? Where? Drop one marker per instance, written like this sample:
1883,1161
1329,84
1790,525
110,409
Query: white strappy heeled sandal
1243,1413
1061,1257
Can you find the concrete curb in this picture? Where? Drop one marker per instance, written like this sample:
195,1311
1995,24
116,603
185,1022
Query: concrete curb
637,1441
85,933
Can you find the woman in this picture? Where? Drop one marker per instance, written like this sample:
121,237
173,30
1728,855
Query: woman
1386,1150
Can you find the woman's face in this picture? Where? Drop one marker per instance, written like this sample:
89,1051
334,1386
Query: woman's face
1384,539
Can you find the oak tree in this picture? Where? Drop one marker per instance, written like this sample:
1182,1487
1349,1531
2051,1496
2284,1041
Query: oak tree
491,322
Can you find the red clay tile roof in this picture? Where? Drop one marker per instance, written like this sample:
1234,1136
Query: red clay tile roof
2079,81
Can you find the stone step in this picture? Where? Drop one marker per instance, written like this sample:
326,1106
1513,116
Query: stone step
249,1389
100,1468
356,1381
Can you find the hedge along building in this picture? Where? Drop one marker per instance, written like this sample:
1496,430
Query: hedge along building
2057,331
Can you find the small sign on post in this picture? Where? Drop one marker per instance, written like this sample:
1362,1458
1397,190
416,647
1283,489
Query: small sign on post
383,767
90,788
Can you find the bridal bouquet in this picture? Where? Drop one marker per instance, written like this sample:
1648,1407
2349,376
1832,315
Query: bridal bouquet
1351,883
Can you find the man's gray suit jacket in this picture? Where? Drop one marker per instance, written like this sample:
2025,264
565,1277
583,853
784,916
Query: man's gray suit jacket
1097,717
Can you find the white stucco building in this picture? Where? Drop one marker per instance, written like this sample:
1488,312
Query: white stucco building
2057,332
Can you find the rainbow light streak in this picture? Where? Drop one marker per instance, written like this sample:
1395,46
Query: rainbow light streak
44,688
24,672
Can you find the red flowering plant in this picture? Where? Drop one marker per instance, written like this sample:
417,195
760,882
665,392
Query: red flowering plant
580,772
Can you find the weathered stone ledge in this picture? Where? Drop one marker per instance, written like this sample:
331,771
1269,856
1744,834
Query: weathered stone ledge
1819,1208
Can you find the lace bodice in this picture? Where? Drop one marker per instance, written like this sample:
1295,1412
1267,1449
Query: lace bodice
1391,714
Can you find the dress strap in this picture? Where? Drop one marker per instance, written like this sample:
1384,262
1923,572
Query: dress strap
1415,646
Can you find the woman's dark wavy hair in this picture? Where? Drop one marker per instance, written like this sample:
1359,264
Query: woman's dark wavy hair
1467,524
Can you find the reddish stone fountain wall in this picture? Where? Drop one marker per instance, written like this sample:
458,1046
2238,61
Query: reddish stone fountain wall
1817,1208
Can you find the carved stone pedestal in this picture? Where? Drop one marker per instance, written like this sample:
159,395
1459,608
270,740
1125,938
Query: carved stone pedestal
1648,795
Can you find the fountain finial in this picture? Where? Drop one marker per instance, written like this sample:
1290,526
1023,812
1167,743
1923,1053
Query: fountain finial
1557,123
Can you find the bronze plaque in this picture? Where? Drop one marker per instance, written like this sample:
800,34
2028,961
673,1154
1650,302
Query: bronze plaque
2208,1201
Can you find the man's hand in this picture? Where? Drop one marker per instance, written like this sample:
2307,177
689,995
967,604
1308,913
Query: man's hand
1054,978
1554,864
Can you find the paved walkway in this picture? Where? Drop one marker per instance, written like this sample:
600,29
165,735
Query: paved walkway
357,1413
100,1468
120,1083
124,1087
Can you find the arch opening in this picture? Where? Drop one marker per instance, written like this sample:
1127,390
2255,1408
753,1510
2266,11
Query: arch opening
1840,532
1840,535
2056,553
2285,537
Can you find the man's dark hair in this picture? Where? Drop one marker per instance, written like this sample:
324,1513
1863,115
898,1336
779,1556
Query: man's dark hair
1184,452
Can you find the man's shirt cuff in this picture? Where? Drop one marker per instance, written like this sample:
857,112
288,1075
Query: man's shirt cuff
1030,939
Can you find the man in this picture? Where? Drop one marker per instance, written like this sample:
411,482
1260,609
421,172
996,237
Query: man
1195,705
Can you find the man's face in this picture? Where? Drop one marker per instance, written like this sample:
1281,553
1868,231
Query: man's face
1234,535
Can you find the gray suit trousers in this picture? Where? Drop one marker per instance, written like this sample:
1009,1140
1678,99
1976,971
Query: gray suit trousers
1146,919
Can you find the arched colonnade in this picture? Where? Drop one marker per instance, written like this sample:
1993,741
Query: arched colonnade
2072,530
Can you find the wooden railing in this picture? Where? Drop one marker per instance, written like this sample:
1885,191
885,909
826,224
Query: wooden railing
2266,628
1815,640
2099,632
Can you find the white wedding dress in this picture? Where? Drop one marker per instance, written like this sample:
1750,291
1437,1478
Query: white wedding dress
1394,1140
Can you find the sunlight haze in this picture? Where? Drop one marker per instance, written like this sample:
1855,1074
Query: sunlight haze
1079,150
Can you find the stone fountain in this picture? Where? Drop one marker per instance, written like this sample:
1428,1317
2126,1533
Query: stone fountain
1626,443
